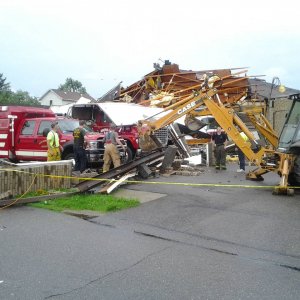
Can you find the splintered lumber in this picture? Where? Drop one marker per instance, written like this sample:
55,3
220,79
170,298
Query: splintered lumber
115,183
119,171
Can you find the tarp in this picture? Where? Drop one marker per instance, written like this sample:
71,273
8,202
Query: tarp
128,113
60,109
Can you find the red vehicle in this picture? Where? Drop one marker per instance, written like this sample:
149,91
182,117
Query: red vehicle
123,115
23,133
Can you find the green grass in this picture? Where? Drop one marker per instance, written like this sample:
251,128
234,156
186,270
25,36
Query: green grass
96,202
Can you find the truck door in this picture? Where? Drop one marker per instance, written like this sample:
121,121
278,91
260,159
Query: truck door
27,147
41,140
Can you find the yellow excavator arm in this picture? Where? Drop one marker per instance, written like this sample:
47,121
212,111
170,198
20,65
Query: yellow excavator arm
206,101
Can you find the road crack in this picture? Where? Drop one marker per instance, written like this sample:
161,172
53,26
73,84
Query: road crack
108,274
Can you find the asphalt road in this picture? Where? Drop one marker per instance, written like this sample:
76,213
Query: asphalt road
203,242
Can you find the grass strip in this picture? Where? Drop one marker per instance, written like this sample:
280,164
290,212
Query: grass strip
95,202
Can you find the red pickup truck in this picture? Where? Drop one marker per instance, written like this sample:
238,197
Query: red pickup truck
23,133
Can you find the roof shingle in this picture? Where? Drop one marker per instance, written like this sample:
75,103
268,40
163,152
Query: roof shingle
71,96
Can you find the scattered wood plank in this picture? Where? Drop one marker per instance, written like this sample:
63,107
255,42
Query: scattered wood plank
115,183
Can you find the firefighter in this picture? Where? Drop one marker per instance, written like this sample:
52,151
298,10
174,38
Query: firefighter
111,152
54,148
79,147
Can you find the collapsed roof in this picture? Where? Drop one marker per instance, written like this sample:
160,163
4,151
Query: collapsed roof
170,80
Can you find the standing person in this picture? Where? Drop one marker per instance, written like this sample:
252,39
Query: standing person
111,152
79,147
241,155
54,149
219,140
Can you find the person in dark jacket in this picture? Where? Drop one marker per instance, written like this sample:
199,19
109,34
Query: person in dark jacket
241,155
79,147
219,140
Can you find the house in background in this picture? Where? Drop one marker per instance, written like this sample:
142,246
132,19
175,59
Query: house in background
278,102
56,97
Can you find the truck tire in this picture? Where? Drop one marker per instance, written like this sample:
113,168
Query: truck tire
294,176
68,156
129,154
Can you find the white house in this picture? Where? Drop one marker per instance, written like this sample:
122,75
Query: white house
57,97
61,110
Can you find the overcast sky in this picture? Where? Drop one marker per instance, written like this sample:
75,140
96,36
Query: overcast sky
103,42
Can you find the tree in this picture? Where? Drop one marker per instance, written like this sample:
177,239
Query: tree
8,97
18,98
72,85
5,92
24,98
4,87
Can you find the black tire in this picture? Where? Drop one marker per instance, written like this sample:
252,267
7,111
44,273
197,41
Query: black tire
69,156
294,176
128,157
129,154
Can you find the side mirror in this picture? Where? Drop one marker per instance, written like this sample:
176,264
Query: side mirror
46,131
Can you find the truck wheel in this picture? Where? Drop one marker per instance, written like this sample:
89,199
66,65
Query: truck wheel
70,156
129,155
294,176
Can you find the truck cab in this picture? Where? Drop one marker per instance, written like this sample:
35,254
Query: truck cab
289,141
12,124
100,115
23,132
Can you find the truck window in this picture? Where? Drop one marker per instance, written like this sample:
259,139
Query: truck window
43,126
68,125
28,128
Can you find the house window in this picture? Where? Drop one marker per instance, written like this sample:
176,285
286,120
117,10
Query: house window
51,102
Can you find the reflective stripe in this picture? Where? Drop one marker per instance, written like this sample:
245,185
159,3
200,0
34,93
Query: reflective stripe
3,136
32,153
4,153
2,145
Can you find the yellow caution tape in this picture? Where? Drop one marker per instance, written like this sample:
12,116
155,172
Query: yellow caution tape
155,182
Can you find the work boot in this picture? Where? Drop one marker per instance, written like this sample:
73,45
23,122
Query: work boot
223,168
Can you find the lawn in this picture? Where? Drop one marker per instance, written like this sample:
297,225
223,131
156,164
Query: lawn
94,202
